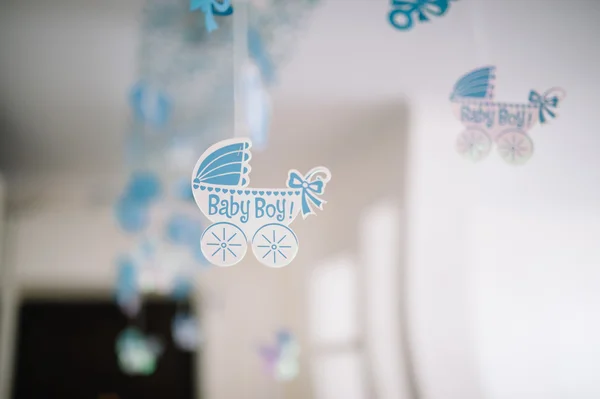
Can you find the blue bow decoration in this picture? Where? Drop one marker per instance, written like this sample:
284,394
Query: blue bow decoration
545,102
423,8
150,105
260,55
311,187
211,8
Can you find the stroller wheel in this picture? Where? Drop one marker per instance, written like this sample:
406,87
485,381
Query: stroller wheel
474,144
275,245
515,147
223,244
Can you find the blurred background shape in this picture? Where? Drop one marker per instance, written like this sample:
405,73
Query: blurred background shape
426,277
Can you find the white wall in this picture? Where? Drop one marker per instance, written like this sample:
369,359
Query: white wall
535,44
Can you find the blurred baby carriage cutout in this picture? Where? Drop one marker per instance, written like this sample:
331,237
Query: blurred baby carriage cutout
241,214
506,124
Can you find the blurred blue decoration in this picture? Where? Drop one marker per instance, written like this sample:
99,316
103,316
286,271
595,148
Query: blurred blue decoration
183,288
475,84
199,256
127,292
186,332
132,216
261,56
137,354
183,230
546,102
150,105
211,8
281,360
424,9
143,188
183,190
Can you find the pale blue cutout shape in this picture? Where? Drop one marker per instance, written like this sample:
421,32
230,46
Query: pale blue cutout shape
137,354
183,190
199,256
143,188
546,102
210,8
423,9
126,290
150,105
183,230
132,216
185,332
182,289
258,111
281,359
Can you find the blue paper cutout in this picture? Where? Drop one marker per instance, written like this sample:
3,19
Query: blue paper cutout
150,105
259,54
126,291
131,210
198,255
226,166
183,230
137,353
143,188
422,8
240,214
311,186
185,332
281,359
183,190
132,216
476,84
505,125
546,102
211,8
182,289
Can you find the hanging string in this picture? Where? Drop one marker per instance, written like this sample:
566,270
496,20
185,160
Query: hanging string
240,60
481,41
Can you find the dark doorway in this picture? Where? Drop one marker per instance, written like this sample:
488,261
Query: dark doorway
66,350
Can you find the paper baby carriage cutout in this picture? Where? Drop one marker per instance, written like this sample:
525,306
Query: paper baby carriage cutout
257,215
487,121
